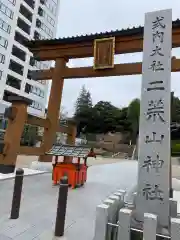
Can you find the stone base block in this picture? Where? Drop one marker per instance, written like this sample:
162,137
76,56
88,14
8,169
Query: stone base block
42,166
5,169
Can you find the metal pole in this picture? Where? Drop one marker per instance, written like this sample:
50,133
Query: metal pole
61,207
16,201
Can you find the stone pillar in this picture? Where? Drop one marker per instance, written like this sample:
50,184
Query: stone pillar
53,108
17,116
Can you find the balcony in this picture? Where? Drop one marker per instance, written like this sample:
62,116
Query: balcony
30,3
13,82
24,26
20,38
26,13
16,67
18,53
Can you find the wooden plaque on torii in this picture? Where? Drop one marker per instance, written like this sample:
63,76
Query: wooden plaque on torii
104,50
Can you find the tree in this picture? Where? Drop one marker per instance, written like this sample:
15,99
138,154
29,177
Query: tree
83,102
133,117
83,109
106,117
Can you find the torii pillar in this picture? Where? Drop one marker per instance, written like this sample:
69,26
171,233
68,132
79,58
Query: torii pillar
17,117
53,108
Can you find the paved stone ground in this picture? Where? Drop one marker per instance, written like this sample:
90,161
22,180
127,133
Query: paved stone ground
39,202
25,161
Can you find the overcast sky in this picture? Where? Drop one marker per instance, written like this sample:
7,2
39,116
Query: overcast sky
79,17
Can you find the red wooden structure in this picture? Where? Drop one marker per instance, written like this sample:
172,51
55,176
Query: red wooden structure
70,161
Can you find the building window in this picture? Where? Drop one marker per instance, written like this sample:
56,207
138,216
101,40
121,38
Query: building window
51,6
16,67
3,42
41,65
28,88
20,38
37,91
29,74
42,26
42,13
2,58
26,13
30,3
7,94
31,61
13,2
4,9
43,82
4,26
34,90
36,105
13,82
18,53
37,36
1,72
23,25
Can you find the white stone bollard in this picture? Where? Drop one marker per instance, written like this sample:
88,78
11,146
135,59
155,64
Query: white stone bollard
102,213
115,197
150,226
123,193
124,228
120,195
175,229
111,216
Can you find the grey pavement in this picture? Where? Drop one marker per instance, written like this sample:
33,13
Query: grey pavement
39,203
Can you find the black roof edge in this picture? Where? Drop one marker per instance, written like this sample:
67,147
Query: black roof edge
77,39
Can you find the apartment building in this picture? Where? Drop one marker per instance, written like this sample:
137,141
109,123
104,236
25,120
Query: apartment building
24,20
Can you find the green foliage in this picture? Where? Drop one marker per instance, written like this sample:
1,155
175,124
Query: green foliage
175,148
29,136
83,102
133,116
103,117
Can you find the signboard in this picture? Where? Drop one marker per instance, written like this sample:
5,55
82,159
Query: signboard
154,137
104,53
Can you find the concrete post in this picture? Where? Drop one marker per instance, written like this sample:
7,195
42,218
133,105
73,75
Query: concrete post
102,213
173,208
150,226
16,201
111,216
175,228
124,229
61,207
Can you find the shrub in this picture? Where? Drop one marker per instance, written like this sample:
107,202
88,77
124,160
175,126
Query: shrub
175,148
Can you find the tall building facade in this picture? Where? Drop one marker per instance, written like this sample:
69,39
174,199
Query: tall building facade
22,20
